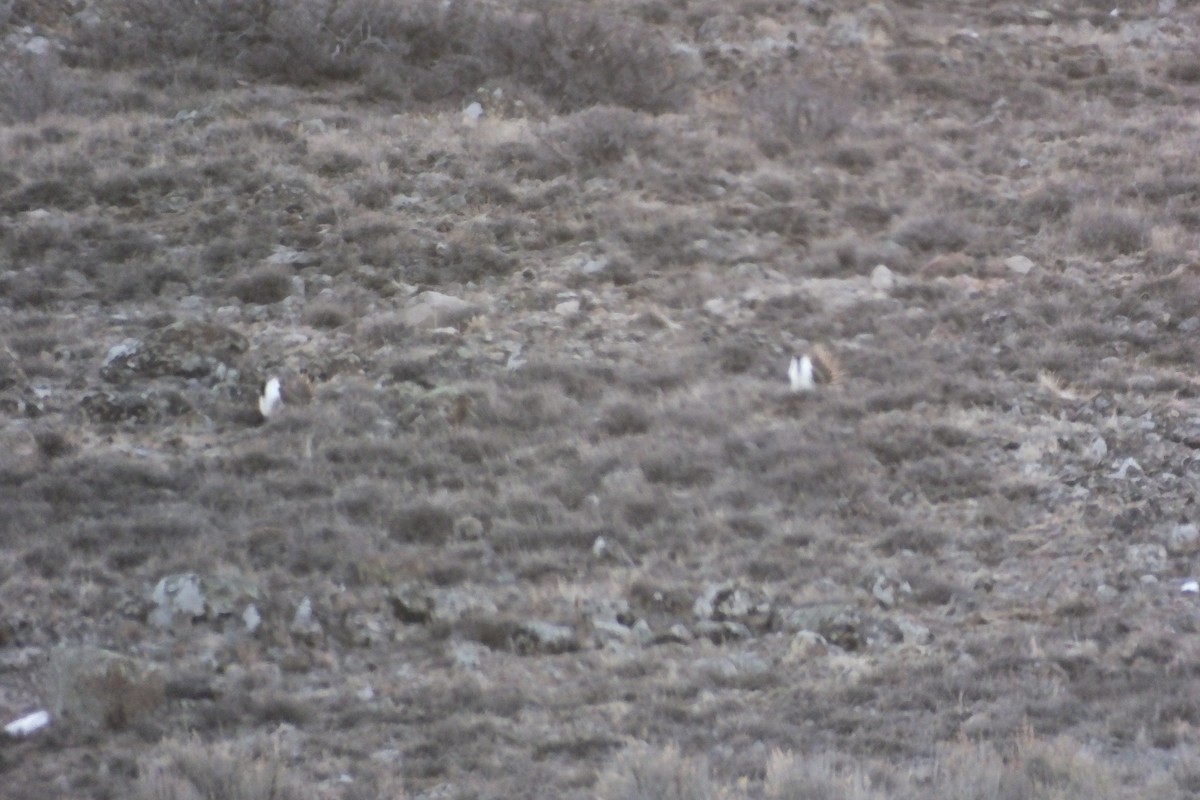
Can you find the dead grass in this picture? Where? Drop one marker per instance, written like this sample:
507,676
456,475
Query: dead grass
32,86
643,772
186,769
1036,768
262,285
1110,231
795,114
815,777
423,52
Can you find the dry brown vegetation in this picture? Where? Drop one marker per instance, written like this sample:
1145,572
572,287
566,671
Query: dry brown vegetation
564,532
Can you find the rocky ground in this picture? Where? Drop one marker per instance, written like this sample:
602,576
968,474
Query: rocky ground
552,523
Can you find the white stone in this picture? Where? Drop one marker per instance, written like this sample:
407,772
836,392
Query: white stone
38,46
177,594
121,350
1019,264
882,279
435,310
251,618
1183,539
1122,472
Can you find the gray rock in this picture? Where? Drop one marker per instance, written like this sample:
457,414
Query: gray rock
11,373
361,630
185,349
733,665
1183,539
594,266
251,618
886,589
90,689
913,632
723,631
177,595
468,528
467,655
434,309
680,632
642,633
19,659
191,597
539,636
729,602
37,45
1019,264
144,407
882,279
1149,557
806,645
840,624
228,595
412,604
609,632
1128,466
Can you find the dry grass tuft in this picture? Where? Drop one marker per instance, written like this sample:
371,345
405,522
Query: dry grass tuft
601,135
31,86
1036,768
1106,231
815,777
794,114
327,315
624,419
943,233
262,285
426,51
187,770
644,772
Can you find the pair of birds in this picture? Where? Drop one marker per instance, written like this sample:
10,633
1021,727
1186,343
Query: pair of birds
807,371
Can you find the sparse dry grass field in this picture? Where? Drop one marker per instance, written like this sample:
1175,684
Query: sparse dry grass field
570,535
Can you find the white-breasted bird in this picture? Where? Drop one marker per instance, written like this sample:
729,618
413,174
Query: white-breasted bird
271,398
816,368
287,388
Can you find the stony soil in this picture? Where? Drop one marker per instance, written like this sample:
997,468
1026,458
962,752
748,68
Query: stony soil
552,523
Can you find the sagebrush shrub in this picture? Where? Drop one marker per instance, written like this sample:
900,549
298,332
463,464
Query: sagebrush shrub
429,49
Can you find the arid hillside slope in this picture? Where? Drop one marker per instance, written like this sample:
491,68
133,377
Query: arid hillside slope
539,514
